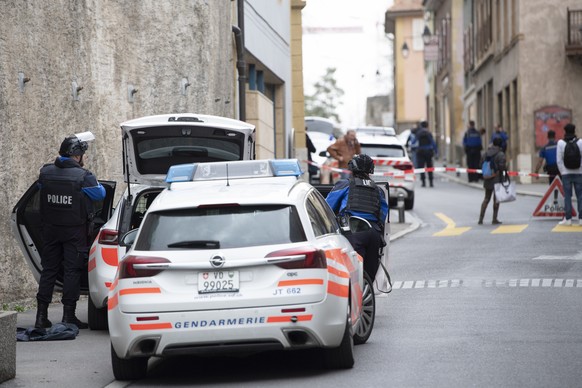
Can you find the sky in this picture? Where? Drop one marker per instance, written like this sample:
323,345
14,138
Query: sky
360,51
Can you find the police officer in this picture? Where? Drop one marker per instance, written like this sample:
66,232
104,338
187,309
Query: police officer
358,195
473,147
549,154
427,148
66,192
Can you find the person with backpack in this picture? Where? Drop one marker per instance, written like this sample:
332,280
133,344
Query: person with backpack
570,165
473,146
548,153
427,148
493,168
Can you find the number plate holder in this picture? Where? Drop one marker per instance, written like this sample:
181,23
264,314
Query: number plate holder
210,282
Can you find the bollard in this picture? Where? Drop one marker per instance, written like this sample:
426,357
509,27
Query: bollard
400,206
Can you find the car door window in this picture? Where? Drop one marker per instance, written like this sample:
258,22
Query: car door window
322,213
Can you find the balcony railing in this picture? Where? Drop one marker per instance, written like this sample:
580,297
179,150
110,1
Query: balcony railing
574,43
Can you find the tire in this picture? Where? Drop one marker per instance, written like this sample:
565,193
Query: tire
130,369
97,317
341,357
366,322
409,202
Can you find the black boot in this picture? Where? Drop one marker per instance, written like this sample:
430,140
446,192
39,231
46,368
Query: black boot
495,212
69,317
42,321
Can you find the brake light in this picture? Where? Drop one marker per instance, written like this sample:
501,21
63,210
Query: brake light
404,166
108,237
311,258
131,266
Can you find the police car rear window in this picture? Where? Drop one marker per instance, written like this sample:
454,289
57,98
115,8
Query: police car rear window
383,151
220,227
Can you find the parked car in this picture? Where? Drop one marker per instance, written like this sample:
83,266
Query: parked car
390,157
237,257
322,124
150,146
374,130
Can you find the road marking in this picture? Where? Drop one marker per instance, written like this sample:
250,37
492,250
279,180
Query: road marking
568,228
450,229
575,257
488,283
507,229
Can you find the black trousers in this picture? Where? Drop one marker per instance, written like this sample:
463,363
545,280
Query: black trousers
473,159
65,247
368,245
424,159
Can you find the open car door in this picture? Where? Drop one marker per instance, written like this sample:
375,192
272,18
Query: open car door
26,227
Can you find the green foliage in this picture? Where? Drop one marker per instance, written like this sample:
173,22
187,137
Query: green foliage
325,100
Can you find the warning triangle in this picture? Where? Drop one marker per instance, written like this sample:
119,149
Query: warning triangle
552,203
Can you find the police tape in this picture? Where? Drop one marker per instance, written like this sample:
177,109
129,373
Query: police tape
404,173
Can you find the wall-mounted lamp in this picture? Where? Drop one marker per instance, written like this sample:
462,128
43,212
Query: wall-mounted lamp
22,80
405,50
75,89
184,86
131,91
426,35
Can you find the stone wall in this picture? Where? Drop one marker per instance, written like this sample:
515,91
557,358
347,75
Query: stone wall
103,47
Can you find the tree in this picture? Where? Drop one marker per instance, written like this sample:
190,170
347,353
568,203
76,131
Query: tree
324,101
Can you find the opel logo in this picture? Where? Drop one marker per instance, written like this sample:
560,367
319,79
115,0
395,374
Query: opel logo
217,261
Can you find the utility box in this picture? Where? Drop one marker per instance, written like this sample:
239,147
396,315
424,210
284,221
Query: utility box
8,345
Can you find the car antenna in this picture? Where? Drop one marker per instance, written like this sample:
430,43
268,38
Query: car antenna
227,183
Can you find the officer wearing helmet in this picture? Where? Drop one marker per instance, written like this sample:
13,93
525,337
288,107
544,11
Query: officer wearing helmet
359,196
66,194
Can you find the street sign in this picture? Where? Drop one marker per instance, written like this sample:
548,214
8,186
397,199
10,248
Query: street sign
552,203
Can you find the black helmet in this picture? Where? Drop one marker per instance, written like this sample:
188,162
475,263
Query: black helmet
72,146
361,163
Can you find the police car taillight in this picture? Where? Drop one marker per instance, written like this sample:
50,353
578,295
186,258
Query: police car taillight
141,266
295,258
108,237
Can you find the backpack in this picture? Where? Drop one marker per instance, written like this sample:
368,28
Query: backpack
572,154
488,167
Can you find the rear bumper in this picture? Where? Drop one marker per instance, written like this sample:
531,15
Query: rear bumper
228,331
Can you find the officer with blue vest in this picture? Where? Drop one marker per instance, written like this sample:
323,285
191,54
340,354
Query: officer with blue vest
548,153
359,196
67,191
473,146
426,150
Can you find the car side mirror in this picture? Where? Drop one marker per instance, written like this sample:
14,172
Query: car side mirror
129,238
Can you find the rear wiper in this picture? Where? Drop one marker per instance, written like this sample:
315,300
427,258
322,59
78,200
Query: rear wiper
204,244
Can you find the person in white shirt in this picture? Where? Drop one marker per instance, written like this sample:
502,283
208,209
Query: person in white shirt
571,177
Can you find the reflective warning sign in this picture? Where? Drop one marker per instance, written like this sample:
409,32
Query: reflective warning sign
552,203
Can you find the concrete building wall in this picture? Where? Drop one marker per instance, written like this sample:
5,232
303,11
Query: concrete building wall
104,47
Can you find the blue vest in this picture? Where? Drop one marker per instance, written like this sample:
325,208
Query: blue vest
61,198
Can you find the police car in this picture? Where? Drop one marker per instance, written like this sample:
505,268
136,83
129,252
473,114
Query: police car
150,146
237,257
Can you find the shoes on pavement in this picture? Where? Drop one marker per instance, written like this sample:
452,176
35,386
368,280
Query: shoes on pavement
565,222
496,222
431,185
580,221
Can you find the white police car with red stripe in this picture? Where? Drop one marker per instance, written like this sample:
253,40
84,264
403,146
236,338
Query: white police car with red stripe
238,256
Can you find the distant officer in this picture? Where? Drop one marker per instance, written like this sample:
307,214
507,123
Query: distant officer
359,196
426,150
473,147
549,154
66,192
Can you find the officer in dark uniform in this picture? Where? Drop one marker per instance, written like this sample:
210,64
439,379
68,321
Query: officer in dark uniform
473,146
66,192
359,196
426,150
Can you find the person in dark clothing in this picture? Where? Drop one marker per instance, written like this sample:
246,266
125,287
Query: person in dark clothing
500,133
66,192
310,149
426,150
495,154
548,153
473,147
359,196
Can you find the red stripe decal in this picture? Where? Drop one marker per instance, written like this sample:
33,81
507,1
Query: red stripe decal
300,282
150,326
287,318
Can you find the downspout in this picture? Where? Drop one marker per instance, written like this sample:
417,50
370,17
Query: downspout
240,61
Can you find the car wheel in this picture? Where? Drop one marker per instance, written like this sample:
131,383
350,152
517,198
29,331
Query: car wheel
366,323
97,317
341,357
130,369
409,202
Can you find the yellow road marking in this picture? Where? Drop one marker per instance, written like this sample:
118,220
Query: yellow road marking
567,228
450,229
509,229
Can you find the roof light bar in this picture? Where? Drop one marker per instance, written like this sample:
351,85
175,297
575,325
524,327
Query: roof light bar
239,169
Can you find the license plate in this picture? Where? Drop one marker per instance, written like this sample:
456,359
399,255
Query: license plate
218,281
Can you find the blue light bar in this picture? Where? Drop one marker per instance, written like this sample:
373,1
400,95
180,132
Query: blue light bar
181,173
233,170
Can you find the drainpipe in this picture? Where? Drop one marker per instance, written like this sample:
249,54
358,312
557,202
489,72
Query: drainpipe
240,61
